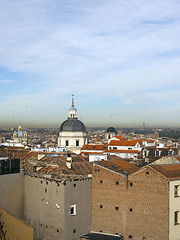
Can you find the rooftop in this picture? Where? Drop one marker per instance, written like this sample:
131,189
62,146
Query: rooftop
120,166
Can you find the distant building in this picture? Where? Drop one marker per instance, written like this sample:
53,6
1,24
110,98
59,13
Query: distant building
20,135
72,134
110,132
19,138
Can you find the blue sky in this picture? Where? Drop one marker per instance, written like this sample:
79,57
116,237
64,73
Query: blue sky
120,58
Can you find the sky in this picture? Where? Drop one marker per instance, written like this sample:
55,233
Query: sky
120,58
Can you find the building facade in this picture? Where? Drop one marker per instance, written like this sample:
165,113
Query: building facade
139,204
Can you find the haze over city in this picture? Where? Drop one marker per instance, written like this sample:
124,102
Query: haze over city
119,59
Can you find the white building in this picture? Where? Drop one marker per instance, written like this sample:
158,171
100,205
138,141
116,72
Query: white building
72,134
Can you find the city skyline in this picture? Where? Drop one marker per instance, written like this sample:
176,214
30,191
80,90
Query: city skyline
119,59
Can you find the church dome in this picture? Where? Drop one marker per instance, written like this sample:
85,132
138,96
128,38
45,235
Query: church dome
111,129
72,125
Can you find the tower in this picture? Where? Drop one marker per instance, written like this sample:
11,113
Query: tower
72,134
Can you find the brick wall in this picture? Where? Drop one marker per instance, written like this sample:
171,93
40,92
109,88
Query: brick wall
136,211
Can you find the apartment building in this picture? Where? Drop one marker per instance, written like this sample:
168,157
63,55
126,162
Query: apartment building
137,203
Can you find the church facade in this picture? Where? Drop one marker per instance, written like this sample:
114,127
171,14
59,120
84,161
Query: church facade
72,134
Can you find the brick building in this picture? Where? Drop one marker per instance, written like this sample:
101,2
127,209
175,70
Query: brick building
141,204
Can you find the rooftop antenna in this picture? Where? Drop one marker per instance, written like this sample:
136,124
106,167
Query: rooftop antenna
72,100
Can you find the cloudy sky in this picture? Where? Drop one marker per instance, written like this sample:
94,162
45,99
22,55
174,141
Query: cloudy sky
120,58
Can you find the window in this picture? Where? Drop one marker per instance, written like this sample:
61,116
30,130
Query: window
74,185
114,147
117,183
131,184
67,143
77,143
130,209
74,231
147,172
176,190
130,236
57,230
143,238
73,209
129,148
41,182
117,208
101,181
176,218
46,182
157,153
101,206
45,190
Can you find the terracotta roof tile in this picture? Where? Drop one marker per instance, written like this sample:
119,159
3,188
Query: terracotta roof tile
123,143
121,166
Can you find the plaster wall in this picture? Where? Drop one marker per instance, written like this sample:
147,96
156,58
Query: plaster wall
174,205
44,207
77,192
15,228
11,193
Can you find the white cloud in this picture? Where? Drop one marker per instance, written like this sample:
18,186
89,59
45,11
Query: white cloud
122,49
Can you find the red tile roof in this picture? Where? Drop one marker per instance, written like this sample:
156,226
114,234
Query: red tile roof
123,143
120,166
120,137
94,147
122,151
170,171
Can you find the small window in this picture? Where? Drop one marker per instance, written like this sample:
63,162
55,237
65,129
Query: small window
100,230
117,208
57,230
131,184
41,182
114,147
58,184
117,183
73,209
147,172
130,236
101,181
41,224
74,185
130,209
74,230
176,218
176,191
77,143
129,148
67,143
143,238
46,182
46,226
45,190
101,206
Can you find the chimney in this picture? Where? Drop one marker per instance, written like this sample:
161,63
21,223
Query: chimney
69,161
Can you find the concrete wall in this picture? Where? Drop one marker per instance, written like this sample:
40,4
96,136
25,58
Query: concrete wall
47,207
44,207
11,193
174,205
79,193
140,210
16,229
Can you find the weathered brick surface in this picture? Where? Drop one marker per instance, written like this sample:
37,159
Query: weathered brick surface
148,198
